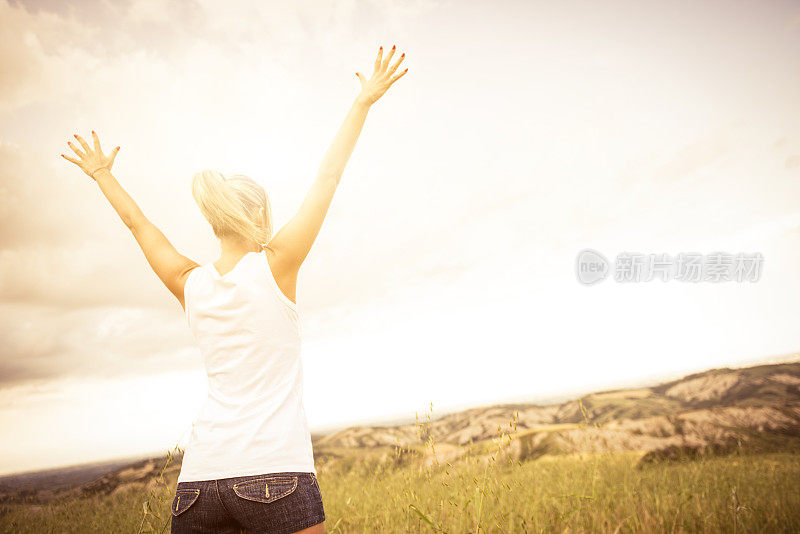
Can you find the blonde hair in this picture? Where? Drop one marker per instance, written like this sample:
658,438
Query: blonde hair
231,205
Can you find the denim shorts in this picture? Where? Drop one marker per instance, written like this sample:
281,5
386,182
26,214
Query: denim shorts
278,503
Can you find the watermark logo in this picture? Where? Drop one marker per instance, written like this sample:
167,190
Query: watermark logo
592,267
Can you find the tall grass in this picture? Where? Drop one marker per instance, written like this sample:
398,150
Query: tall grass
158,497
569,494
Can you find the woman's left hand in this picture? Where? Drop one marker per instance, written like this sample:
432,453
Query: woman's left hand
381,79
91,161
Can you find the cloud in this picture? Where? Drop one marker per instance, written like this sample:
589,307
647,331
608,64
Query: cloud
41,342
36,208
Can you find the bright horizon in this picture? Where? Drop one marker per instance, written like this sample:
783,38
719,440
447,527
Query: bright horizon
444,272
404,418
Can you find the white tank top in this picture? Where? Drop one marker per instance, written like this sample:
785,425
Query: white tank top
253,420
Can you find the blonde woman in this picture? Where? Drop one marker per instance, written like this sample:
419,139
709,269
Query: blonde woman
249,463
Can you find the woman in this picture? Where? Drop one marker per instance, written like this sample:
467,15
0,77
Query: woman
249,462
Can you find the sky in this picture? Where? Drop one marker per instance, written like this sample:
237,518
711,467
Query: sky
444,275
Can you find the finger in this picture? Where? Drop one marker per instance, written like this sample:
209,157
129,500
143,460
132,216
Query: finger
83,143
397,77
361,79
378,59
396,64
113,155
96,142
75,149
388,57
73,160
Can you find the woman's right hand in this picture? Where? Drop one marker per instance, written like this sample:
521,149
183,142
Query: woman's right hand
382,79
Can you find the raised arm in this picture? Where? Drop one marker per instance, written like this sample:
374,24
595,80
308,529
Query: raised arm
291,244
168,264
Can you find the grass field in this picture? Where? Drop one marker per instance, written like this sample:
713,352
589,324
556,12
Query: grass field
585,493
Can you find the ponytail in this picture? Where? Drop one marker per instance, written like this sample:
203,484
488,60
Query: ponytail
231,205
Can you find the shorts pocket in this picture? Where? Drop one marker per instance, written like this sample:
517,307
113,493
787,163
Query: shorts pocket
184,498
266,488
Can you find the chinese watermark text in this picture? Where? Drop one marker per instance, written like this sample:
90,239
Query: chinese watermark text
592,267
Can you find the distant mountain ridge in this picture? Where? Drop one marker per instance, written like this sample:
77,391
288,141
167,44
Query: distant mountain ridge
714,411
706,409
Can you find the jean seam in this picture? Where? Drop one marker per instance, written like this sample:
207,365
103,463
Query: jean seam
219,498
267,478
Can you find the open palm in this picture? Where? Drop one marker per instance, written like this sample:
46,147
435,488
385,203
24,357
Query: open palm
91,160
381,79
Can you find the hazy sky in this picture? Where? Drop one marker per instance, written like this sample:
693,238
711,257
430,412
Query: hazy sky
522,133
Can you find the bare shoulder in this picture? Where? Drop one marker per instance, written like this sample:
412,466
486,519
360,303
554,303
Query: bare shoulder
284,272
180,283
